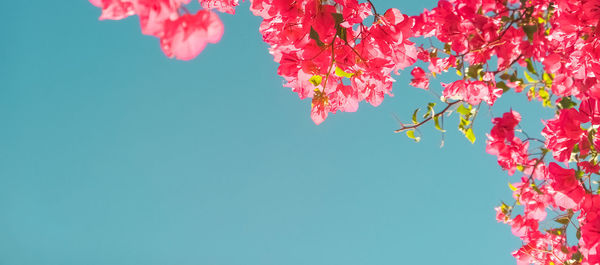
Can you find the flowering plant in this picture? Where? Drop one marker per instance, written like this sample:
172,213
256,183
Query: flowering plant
341,52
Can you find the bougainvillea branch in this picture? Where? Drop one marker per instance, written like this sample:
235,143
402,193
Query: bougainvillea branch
549,51
430,116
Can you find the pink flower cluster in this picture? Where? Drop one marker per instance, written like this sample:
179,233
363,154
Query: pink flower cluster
318,44
561,38
341,52
182,35
502,142
547,187
327,53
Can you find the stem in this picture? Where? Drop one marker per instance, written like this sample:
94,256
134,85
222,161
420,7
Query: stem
374,10
404,128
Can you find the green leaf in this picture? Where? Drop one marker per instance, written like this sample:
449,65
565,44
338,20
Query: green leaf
547,79
339,18
530,30
547,103
529,78
543,93
411,135
562,220
505,208
502,85
463,122
315,36
531,91
536,189
590,137
541,20
430,106
566,103
463,111
556,231
470,135
341,73
342,33
577,256
436,119
510,185
473,71
530,67
316,80
513,77
414,116
430,110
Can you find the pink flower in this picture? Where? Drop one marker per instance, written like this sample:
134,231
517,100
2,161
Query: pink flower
114,9
473,92
563,132
187,36
510,150
570,192
419,80
438,65
155,13
552,63
590,228
226,6
320,108
522,227
354,12
504,127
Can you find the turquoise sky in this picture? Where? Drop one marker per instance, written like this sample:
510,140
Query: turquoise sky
113,154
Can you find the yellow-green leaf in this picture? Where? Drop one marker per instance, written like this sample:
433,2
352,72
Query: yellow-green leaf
543,93
411,135
464,111
341,73
414,116
436,119
529,78
470,135
547,78
541,20
316,80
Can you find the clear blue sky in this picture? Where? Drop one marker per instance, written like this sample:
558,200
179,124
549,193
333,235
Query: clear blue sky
112,154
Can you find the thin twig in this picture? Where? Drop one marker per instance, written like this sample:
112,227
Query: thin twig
404,128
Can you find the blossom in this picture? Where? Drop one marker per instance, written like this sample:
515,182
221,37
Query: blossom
570,192
187,36
155,14
510,150
227,6
114,9
590,228
563,132
330,52
473,92
419,80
